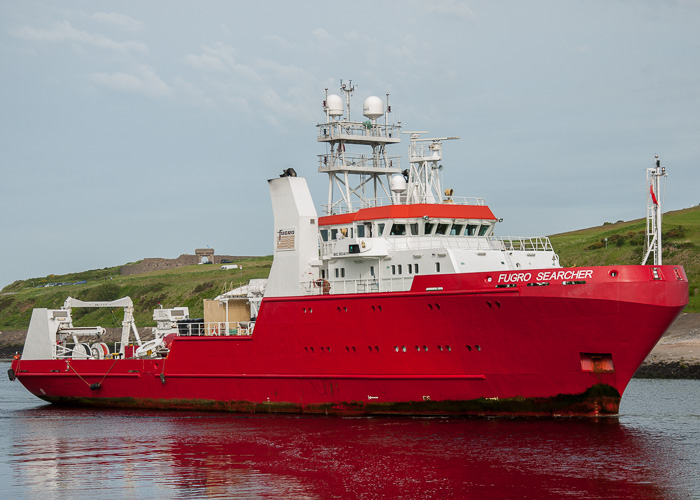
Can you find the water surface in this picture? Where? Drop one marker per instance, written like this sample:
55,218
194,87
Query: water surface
652,450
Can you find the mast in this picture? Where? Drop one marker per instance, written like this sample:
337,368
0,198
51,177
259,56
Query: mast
653,229
357,180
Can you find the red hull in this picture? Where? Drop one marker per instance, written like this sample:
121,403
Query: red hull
466,345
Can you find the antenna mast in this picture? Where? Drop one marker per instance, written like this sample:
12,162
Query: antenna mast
653,230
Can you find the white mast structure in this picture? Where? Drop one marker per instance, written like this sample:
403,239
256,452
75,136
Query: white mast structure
371,183
653,230
423,180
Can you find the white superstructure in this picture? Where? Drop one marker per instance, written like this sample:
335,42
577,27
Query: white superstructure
383,225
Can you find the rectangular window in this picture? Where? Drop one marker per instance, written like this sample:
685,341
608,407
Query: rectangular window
429,227
399,268
380,229
437,267
442,228
414,229
410,269
360,231
368,227
416,268
484,229
323,274
337,272
334,234
371,270
456,230
393,269
471,230
342,272
398,230
324,234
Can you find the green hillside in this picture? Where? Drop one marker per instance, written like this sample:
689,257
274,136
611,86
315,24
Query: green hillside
184,286
625,245
188,286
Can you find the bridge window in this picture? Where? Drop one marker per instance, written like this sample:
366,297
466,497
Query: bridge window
442,228
456,230
380,228
484,229
471,230
429,226
360,231
398,230
414,229
334,234
324,234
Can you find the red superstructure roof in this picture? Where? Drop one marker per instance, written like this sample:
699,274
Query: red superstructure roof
436,211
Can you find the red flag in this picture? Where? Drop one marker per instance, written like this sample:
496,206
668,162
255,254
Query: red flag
653,197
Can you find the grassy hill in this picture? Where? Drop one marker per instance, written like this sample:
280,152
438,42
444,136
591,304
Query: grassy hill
184,286
625,245
188,286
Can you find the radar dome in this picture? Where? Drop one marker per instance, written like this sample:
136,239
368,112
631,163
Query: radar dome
397,183
335,105
373,107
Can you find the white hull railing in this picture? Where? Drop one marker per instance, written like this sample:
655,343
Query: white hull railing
439,242
216,328
342,287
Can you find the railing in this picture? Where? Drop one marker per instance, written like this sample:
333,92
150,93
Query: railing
216,328
353,161
340,287
358,130
532,244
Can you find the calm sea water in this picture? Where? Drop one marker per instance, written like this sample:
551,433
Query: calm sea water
652,450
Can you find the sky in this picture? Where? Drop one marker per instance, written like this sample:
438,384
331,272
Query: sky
137,129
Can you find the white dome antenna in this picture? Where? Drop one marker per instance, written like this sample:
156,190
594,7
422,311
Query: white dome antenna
334,105
373,107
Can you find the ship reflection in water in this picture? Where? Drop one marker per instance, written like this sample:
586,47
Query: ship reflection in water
82,453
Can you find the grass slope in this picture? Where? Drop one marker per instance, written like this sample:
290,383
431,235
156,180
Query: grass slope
184,286
681,246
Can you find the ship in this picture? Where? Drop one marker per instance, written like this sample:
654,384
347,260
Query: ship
397,299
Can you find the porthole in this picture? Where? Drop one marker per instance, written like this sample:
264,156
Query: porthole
449,349
310,310
488,303
306,349
489,279
418,348
478,347
374,308
403,348
370,348
425,348
376,348
345,309
353,349
498,304
347,349
437,306
469,348
312,349
440,348
380,308
338,308
430,306
613,274
322,349
304,309
396,348
328,349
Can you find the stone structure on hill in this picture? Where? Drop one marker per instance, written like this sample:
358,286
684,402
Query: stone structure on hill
158,264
